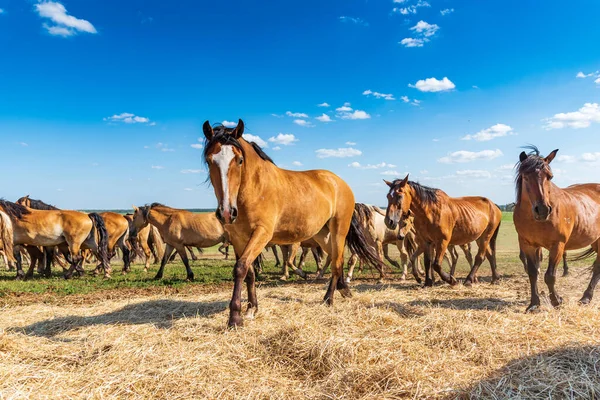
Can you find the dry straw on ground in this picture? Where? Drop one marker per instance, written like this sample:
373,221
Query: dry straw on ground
391,341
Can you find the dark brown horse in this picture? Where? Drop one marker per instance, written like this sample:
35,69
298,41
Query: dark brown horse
555,219
259,203
441,220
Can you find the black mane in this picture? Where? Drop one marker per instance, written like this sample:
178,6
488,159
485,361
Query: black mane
40,205
426,194
533,162
222,135
14,210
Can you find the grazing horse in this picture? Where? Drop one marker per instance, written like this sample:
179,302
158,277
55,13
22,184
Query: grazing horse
555,219
179,228
72,229
259,203
441,220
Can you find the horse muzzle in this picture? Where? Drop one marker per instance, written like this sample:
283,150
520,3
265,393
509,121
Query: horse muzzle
226,215
390,223
541,212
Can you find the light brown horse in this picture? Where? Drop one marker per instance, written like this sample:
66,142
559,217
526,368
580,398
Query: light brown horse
6,240
441,220
147,242
259,203
117,227
555,219
179,228
72,229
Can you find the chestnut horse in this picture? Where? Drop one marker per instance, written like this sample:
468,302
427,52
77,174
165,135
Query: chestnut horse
259,203
179,228
6,240
555,219
441,220
72,230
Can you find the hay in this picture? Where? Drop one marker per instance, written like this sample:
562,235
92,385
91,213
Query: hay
392,341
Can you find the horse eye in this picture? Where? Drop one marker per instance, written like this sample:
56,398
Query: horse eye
241,161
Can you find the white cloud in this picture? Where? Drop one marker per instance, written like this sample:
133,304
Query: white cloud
297,163
65,24
505,167
425,28
371,166
345,108
163,147
277,115
338,153
379,95
474,173
405,99
23,144
351,143
256,139
158,167
303,122
353,20
591,157
582,118
190,171
583,76
284,139
433,85
188,189
412,42
498,130
392,173
197,146
566,158
400,1
323,105
447,11
463,156
357,114
412,9
597,81
324,118
229,124
296,114
416,102
128,118
424,172
276,148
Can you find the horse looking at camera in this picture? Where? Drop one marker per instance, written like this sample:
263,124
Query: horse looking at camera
441,220
555,219
259,203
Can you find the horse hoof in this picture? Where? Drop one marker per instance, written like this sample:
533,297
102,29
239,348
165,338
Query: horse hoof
250,313
453,281
468,282
157,278
20,278
190,278
532,308
380,281
348,279
584,301
556,301
284,278
328,301
300,273
495,281
345,292
403,278
235,322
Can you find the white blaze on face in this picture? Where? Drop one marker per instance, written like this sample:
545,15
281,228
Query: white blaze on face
223,160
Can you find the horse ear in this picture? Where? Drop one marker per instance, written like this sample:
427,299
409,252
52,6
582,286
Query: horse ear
390,184
27,196
551,156
404,181
135,208
522,156
208,130
239,130
409,213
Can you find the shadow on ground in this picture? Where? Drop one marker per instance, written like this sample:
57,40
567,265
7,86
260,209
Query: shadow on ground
160,313
475,303
564,373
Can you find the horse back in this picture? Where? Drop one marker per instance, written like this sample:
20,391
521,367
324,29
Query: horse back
473,216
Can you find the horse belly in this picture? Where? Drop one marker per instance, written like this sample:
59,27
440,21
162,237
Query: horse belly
467,233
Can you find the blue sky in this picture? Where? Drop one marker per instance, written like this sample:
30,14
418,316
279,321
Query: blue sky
102,102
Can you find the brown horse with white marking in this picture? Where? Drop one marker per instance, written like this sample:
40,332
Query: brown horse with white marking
72,230
179,228
555,219
441,220
259,203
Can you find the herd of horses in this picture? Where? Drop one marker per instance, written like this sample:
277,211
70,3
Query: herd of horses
261,206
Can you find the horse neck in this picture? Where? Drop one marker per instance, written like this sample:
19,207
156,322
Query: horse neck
156,217
256,175
420,209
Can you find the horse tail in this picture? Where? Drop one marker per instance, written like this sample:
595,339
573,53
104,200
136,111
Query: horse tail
158,245
357,243
364,214
583,255
98,223
409,245
6,236
493,239
320,252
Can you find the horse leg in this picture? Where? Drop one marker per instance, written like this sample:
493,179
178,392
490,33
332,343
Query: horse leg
186,262
565,265
556,254
427,256
285,250
454,257
351,264
379,248
302,261
147,253
482,251
589,292
317,257
277,261
19,258
191,250
532,256
126,254
338,242
166,257
259,239
438,258
48,257
291,259
324,269
523,259
466,248
386,255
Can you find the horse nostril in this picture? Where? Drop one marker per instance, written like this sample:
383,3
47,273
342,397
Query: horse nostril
219,213
549,209
234,212
536,209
